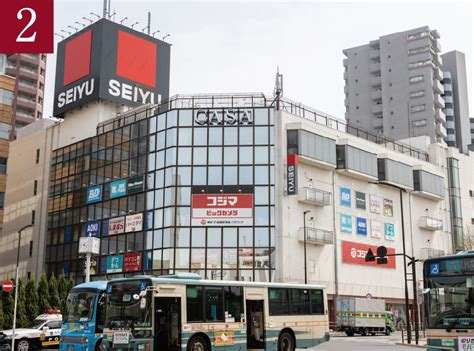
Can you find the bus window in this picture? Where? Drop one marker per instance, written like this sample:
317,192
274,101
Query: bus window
214,304
233,303
194,303
278,301
317,303
300,301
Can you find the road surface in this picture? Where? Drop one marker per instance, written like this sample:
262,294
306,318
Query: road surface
365,343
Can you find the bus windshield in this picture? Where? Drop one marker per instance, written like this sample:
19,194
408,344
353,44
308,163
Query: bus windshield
80,306
128,305
450,302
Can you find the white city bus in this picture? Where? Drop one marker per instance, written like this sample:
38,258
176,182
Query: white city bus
183,312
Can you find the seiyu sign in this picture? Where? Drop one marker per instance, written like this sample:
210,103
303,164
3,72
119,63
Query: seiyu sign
292,175
219,117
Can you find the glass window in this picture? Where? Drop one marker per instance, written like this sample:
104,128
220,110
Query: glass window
317,302
230,175
261,135
215,176
185,136
215,136
278,301
215,155
171,118
184,195
194,303
229,258
213,259
261,175
185,118
200,136
261,237
245,237
230,135
171,135
199,175
261,216
300,303
233,302
6,97
230,155
245,175
214,304
214,237
170,156
198,237
261,154
246,135
184,176
200,156
246,155
261,195
183,237
182,258
261,116
160,159
183,215
230,237
184,155
160,141
4,131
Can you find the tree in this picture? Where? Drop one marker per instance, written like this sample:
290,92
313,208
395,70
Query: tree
63,291
8,302
43,293
70,283
22,319
32,302
54,299
2,319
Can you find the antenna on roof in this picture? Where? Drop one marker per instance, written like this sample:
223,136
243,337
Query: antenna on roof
156,31
123,20
166,36
59,35
278,90
65,31
73,28
134,24
88,19
82,24
94,14
104,9
148,27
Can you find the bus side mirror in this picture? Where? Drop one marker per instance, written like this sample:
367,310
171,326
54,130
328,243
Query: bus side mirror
102,298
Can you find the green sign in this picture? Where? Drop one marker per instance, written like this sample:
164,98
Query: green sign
360,200
118,188
136,184
114,264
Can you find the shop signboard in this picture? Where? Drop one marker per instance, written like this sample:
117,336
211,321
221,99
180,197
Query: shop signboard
375,204
134,223
346,223
376,229
116,225
222,209
93,267
292,174
94,194
118,188
361,226
135,184
92,229
345,197
389,231
354,253
114,264
388,207
360,200
132,262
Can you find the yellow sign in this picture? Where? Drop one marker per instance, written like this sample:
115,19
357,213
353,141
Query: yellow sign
223,337
53,340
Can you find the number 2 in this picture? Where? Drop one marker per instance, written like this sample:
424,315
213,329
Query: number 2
19,15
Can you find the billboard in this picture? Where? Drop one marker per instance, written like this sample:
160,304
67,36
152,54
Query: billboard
114,264
376,229
346,223
354,253
389,231
360,200
132,262
292,174
375,204
388,207
118,188
116,225
361,226
92,229
345,197
222,209
94,194
134,223
135,184
109,61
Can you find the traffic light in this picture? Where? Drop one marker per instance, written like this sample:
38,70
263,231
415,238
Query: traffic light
369,257
382,255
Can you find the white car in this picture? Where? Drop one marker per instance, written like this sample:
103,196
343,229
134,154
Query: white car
43,332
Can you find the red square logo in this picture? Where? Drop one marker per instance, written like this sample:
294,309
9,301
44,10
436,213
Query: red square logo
27,26
136,59
77,62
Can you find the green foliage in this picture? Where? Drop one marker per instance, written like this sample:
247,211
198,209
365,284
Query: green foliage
8,303
63,291
22,318
54,299
32,301
43,293
2,319
70,283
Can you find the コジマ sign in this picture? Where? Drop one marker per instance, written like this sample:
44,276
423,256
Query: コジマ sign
222,209
354,253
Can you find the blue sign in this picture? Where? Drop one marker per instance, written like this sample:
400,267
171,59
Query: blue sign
143,285
389,231
434,269
114,264
345,197
118,188
361,226
94,194
92,229
346,223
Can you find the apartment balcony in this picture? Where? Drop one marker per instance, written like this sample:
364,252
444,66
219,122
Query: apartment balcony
376,95
375,44
438,73
28,89
428,252
438,101
377,123
312,196
438,60
346,75
28,74
375,67
435,34
440,116
419,43
436,46
438,87
430,223
376,81
11,71
451,137
345,62
25,117
374,54
26,104
421,56
316,236
377,109
441,131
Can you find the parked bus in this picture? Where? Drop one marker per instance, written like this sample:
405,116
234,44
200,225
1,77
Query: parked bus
449,301
183,312
83,320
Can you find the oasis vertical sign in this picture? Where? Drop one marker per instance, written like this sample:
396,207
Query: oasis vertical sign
292,174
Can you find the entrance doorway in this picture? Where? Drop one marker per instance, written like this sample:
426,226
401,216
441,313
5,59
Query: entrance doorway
255,324
167,323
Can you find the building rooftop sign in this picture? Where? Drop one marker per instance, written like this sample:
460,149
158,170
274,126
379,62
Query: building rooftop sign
112,62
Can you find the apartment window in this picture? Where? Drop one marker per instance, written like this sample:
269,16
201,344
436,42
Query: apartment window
417,35
417,79
6,97
471,193
31,248
419,64
2,199
33,216
37,155
4,131
419,123
35,187
3,165
418,50
416,94
418,108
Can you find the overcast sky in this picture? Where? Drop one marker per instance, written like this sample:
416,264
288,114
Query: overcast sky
225,46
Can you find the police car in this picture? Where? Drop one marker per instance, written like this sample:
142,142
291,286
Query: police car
42,333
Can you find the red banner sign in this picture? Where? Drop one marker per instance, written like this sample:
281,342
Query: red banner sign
222,209
354,253
132,262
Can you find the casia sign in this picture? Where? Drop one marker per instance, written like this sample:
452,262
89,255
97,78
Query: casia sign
222,209
354,253
223,117
292,175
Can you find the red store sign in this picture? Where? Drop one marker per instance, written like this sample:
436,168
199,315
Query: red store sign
132,262
354,253
222,209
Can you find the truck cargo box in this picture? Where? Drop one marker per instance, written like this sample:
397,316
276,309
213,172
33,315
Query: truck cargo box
360,312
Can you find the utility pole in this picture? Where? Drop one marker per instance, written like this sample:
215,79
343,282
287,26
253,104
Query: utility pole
304,243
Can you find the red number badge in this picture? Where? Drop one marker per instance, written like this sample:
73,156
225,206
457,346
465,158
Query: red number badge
27,26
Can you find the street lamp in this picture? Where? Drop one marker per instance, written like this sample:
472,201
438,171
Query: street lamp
16,282
304,243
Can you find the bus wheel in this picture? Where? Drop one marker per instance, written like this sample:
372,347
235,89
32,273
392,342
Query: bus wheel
23,345
364,332
349,333
198,343
286,342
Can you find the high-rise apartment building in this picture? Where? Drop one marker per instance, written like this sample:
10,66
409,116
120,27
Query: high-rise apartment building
456,100
393,85
29,71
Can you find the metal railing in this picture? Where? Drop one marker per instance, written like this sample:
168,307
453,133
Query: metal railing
256,100
316,236
430,223
316,196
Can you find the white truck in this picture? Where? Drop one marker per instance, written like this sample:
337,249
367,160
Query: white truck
363,316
